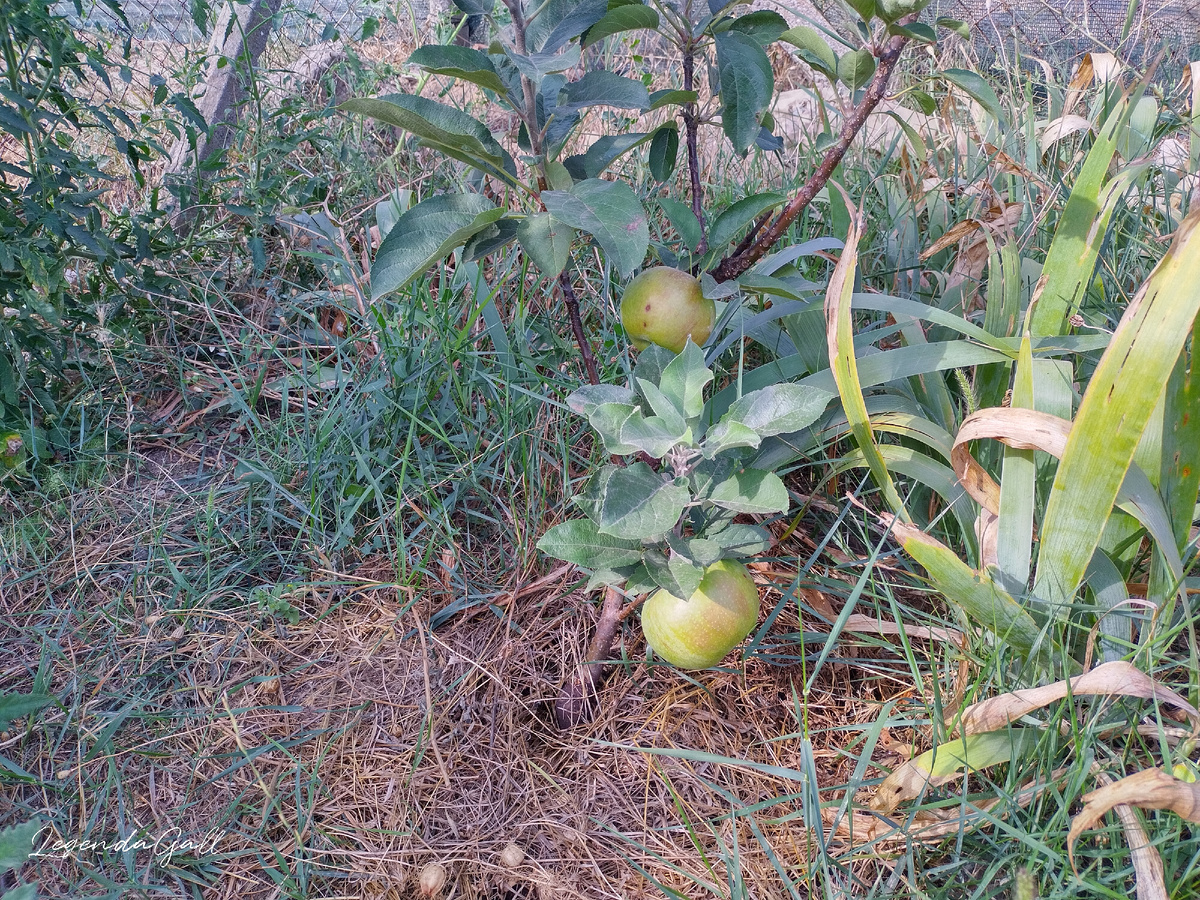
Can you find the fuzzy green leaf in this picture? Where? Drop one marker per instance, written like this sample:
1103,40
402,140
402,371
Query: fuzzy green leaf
752,491
581,543
636,503
611,213
747,84
425,234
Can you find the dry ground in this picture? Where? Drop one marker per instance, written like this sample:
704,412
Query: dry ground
355,747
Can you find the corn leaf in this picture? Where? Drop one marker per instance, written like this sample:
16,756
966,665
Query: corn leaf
844,365
1124,389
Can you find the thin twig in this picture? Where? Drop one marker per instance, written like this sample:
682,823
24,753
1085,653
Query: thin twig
690,127
585,349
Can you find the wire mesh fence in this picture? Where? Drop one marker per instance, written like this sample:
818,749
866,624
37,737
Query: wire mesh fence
1059,31
189,21
1053,29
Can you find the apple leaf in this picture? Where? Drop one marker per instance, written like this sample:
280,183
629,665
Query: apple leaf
608,419
547,242
739,215
652,362
459,62
979,89
16,844
653,435
701,551
579,542
629,17
476,7
684,379
747,84
752,491
631,579
603,88
603,152
664,407
675,574
683,220
425,234
585,399
814,49
764,25
736,539
636,503
609,211
445,128
728,436
669,97
558,21
776,409
499,234
855,69
664,151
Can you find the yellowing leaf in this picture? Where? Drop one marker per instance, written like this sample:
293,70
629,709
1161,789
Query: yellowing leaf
947,762
1111,678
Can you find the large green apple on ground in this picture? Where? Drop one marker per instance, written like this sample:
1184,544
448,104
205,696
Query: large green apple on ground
665,306
697,633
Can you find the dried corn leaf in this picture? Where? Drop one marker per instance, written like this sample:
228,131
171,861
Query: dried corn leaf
928,825
1109,679
1021,429
1150,882
1101,67
1149,789
1060,128
952,236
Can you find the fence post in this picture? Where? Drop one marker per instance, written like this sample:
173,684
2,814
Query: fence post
239,37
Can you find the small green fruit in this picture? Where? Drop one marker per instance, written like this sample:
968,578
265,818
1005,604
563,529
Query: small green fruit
699,632
665,306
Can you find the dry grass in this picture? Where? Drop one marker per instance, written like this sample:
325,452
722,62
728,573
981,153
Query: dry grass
312,748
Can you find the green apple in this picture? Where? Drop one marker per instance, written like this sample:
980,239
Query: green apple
665,306
699,632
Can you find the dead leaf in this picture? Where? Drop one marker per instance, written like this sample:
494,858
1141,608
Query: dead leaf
1099,67
1150,881
1021,429
1117,677
1061,128
952,236
1149,789
871,625
987,530
929,825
